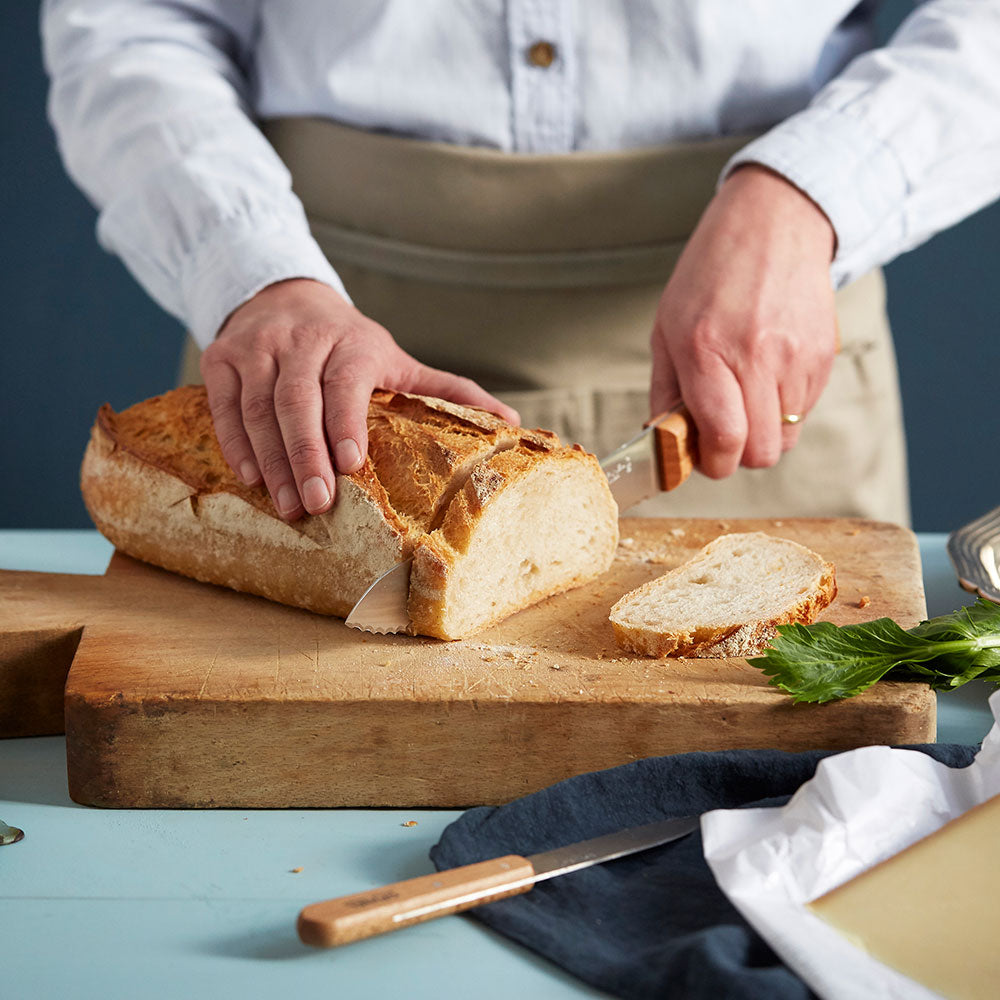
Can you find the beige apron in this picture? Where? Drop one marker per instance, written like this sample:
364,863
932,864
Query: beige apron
539,277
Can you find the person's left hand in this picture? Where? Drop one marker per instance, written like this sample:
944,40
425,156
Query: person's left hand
289,380
746,329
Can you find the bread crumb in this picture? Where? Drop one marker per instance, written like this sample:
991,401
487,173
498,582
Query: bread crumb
723,525
626,543
409,822
489,653
657,551
864,601
779,524
677,532
555,666
854,531
295,871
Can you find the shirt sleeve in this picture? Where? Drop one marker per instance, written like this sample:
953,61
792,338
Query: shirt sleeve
905,141
150,103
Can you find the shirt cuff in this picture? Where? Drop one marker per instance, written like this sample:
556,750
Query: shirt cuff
223,275
849,172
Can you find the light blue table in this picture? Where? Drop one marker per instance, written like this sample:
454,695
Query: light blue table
147,904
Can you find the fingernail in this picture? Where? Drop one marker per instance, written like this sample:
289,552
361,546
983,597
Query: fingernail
249,473
347,455
288,500
315,493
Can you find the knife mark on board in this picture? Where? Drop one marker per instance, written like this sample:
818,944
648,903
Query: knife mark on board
211,667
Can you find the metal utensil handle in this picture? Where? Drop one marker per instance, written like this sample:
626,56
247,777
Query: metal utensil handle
975,553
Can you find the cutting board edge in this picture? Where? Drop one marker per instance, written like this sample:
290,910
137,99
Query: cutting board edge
457,763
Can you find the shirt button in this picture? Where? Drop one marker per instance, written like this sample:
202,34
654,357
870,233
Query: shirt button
542,54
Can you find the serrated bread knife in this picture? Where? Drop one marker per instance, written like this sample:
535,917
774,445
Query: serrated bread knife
376,911
657,459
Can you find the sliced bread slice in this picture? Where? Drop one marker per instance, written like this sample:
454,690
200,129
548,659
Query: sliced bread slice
727,600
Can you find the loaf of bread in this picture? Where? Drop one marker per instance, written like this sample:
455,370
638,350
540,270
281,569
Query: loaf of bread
727,600
495,517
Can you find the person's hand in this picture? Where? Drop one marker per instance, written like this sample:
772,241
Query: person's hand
746,329
289,378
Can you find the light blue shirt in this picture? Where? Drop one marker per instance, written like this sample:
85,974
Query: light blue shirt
154,102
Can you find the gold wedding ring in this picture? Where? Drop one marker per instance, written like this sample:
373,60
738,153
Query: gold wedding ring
791,418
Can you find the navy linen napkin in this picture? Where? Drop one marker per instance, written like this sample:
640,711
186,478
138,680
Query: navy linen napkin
654,924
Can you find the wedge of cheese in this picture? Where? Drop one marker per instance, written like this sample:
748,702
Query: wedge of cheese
932,911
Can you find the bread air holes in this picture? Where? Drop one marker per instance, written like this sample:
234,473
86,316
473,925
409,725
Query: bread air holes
528,568
708,577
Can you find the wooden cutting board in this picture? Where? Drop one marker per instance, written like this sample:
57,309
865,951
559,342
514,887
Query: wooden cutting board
183,694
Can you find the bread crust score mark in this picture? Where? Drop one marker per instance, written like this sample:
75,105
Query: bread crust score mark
155,483
709,607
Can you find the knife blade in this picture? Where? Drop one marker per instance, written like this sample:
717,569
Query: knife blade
376,911
658,458
382,607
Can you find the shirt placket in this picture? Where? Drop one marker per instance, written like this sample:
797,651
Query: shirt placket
542,74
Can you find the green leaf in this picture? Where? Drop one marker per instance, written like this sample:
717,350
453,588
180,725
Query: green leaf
979,624
823,662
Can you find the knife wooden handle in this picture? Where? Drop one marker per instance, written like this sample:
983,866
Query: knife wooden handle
376,911
676,446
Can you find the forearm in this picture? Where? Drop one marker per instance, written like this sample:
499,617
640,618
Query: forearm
149,103
905,142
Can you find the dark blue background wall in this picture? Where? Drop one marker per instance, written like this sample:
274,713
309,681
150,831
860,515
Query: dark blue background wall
77,331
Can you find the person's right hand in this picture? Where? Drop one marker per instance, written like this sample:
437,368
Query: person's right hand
289,378
746,330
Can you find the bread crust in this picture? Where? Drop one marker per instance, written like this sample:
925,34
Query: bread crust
737,640
424,450
192,516
156,484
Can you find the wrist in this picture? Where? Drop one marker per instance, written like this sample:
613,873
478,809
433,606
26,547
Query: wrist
771,197
287,295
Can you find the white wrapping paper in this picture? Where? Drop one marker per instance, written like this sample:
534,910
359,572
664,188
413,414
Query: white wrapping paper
861,807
